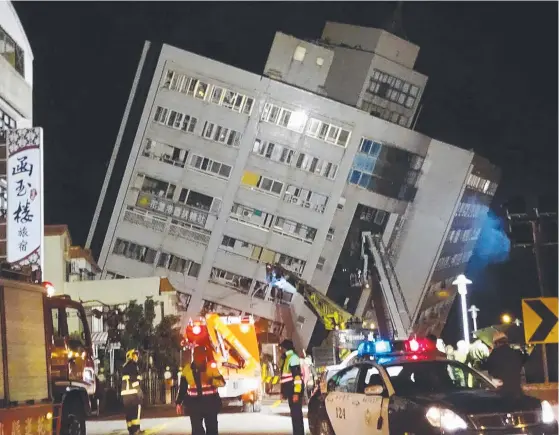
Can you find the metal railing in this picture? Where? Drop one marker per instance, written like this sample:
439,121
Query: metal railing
146,220
189,234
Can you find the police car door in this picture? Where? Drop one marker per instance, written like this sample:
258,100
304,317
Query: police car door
374,390
341,400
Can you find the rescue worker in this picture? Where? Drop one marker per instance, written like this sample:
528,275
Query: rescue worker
131,391
198,393
292,385
505,363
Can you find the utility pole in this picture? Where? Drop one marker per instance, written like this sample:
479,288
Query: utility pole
534,217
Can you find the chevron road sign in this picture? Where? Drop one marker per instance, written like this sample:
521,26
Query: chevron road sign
540,320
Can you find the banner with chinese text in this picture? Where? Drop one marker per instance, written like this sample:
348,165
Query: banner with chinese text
25,196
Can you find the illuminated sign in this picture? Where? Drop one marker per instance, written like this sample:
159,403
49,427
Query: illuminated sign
25,197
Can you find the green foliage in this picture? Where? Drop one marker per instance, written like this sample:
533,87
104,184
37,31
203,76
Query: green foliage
161,342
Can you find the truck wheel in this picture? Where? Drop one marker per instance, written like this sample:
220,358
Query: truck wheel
73,418
248,407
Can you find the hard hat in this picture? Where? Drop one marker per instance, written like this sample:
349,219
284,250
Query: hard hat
130,354
499,336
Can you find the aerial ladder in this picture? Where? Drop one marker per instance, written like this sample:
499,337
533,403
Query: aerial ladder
392,309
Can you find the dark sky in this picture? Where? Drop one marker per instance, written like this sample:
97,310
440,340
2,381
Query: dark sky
492,87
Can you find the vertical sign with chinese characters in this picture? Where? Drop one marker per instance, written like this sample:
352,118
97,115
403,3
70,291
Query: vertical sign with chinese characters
25,197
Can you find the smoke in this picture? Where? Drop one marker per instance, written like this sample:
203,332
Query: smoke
493,245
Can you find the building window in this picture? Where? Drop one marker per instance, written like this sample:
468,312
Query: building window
294,229
321,262
12,52
239,283
221,134
299,54
317,166
292,120
393,89
174,119
174,263
165,153
262,183
328,132
134,251
274,152
330,235
305,198
251,216
210,166
114,275
6,122
215,94
156,187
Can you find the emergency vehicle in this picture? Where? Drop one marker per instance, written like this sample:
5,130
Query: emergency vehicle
48,380
405,388
232,345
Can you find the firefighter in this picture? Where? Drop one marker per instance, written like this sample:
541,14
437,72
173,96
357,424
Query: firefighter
292,385
131,391
198,393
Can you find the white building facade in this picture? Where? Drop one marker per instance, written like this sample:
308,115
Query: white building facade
228,170
16,93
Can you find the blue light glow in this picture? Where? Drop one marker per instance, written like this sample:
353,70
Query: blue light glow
382,346
366,348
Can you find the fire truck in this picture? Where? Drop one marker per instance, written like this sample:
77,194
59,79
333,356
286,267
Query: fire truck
48,381
232,344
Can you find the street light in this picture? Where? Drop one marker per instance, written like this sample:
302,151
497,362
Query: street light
506,318
462,283
474,310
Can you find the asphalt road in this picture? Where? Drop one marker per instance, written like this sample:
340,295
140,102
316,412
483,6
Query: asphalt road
273,420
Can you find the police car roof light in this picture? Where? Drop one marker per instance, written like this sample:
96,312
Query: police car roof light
418,345
366,348
382,347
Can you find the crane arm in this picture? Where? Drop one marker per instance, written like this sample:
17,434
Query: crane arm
328,312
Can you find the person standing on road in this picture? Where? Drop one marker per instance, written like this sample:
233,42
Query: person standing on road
292,385
198,393
505,363
131,391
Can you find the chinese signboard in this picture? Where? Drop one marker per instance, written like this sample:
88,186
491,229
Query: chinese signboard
25,196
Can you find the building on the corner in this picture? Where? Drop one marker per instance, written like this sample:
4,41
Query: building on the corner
223,170
16,94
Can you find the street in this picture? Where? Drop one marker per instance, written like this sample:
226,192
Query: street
273,420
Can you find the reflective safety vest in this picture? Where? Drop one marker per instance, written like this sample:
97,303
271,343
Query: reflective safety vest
210,381
130,379
291,376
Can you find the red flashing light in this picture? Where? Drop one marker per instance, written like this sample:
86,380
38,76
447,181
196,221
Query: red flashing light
196,329
419,345
213,365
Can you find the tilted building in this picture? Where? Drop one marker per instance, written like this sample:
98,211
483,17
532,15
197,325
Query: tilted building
220,171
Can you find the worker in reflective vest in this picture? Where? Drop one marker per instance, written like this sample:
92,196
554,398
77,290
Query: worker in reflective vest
198,393
292,385
131,391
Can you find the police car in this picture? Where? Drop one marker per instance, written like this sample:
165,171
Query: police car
406,388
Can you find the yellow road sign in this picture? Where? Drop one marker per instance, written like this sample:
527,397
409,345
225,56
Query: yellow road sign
540,320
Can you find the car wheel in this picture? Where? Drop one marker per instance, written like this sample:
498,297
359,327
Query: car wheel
73,419
324,427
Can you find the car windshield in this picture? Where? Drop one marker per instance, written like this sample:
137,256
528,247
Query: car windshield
432,377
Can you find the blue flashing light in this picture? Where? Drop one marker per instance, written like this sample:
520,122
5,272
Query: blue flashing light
371,348
366,348
382,347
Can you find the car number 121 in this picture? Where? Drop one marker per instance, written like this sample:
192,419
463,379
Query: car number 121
340,413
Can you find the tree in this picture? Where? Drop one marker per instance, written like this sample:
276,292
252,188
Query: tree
166,343
161,342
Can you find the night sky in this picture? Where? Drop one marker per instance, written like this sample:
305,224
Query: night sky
492,87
